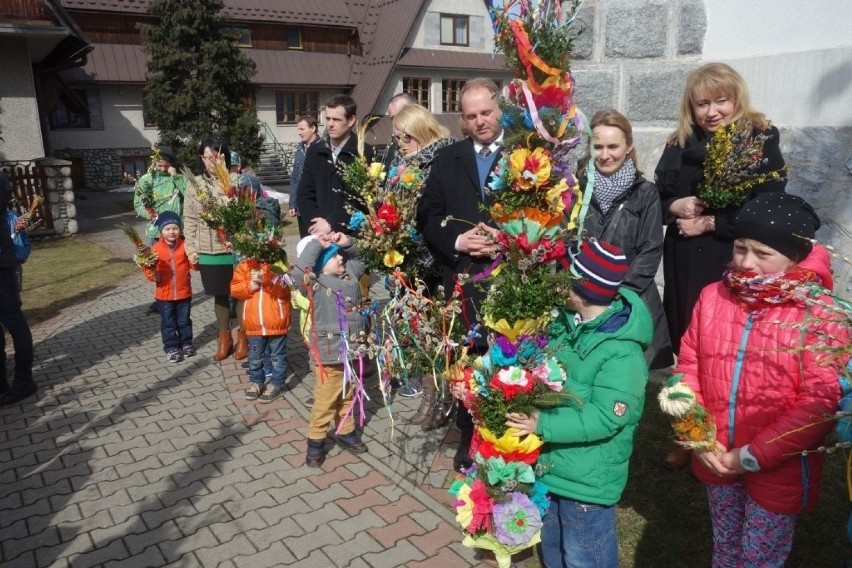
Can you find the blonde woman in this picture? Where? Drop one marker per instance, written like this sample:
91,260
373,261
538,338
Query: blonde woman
698,243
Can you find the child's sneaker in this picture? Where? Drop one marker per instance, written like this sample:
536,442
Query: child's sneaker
352,443
271,393
254,392
188,351
316,453
174,356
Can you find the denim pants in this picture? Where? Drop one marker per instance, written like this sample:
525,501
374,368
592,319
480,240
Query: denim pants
273,350
175,324
13,320
578,535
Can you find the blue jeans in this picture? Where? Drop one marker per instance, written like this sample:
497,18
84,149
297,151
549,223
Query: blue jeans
270,348
175,325
578,535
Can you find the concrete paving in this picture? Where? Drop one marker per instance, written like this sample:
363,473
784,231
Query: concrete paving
124,459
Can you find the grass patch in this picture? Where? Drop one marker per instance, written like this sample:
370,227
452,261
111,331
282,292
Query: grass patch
664,522
63,272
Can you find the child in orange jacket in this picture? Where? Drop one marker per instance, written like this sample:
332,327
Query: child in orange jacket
173,293
266,320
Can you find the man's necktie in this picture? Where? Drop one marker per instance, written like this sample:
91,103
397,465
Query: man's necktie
485,151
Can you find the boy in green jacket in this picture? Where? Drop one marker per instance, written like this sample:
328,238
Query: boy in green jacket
599,338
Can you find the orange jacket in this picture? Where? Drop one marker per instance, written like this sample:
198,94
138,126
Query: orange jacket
266,311
173,271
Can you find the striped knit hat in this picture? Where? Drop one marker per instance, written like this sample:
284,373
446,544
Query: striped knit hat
600,268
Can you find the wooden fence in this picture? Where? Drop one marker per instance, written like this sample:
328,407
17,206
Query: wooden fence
28,180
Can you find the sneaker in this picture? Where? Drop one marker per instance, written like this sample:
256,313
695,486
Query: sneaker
188,351
174,356
411,388
271,393
352,443
254,392
316,453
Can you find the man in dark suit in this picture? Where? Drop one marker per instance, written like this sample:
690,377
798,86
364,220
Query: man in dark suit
455,187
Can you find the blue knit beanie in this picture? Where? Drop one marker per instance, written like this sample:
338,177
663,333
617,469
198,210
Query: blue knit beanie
167,218
324,256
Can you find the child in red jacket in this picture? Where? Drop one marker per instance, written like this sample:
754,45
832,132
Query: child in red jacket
751,354
266,321
174,289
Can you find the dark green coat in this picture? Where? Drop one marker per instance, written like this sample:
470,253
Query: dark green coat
588,444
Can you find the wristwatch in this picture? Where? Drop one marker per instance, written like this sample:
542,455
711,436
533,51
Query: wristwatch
748,461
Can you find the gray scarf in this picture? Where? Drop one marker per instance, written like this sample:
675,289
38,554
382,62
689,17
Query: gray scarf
609,189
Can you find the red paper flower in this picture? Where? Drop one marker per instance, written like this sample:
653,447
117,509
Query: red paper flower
512,381
482,507
389,215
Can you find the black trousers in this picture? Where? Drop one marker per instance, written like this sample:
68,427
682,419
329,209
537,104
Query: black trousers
12,318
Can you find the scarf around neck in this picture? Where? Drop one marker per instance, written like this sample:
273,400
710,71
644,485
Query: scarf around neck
758,293
609,188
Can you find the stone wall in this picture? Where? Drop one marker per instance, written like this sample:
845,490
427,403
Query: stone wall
634,56
59,194
102,166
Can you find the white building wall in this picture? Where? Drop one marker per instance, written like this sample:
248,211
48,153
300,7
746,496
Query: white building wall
19,121
796,57
123,127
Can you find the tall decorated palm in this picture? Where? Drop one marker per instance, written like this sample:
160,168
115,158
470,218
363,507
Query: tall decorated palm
535,201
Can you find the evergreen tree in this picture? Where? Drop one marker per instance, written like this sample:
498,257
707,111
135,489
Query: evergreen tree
199,82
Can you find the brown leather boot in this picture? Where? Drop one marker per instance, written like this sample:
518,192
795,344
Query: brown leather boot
226,343
427,401
677,458
241,348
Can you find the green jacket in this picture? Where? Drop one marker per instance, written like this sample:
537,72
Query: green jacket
166,193
588,444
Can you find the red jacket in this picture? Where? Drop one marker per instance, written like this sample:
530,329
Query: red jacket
173,270
267,310
753,376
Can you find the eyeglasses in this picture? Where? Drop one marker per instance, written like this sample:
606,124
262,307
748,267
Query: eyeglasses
405,138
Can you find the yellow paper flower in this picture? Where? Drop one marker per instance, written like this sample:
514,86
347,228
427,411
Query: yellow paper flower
408,178
510,442
529,170
393,258
554,196
376,170
520,327
464,513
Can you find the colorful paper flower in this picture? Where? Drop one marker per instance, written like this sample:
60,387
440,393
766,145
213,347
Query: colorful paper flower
509,446
512,331
393,258
512,381
356,220
516,520
529,170
551,374
376,170
389,215
509,474
539,497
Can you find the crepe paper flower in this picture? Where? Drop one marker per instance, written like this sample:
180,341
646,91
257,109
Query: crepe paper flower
554,93
509,446
389,215
692,424
463,504
539,497
410,178
501,473
393,258
498,178
572,200
516,520
356,221
504,352
527,326
482,507
529,170
376,170
545,374
502,553
512,381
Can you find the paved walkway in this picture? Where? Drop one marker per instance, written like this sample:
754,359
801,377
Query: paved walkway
127,460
